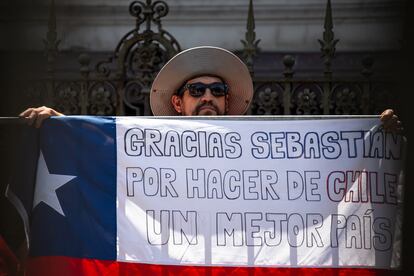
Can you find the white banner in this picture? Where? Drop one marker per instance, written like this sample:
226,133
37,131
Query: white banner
298,193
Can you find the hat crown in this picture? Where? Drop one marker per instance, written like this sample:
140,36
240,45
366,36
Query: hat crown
201,61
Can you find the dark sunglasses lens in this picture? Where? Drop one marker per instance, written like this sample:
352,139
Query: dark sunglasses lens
218,89
197,89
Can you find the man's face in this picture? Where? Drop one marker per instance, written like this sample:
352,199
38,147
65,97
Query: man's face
207,104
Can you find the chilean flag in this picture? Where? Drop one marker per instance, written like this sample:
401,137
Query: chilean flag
73,216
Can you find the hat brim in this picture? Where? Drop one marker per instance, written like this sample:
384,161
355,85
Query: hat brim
198,61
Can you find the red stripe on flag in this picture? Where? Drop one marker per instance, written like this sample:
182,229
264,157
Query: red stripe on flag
65,266
9,264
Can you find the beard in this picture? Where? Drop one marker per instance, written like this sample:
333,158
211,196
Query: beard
208,109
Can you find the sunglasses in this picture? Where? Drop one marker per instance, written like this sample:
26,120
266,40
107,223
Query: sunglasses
198,89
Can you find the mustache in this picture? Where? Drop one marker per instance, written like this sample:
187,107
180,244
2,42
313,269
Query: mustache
205,104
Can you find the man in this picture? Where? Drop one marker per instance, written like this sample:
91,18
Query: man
200,81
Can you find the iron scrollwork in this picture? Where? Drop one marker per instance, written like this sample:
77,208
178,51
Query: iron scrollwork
140,55
306,99
268,99
328,43
136,96
145,61
346,99
121,83
102,97
250,44
149,12
67,98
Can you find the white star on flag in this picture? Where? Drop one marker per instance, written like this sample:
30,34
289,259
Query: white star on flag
47,184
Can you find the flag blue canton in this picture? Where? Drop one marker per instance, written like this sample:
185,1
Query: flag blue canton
82,221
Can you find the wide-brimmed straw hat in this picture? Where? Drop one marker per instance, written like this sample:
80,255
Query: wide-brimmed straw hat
199,61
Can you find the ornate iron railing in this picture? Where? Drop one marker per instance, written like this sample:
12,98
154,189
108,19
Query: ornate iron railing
120,85
324,95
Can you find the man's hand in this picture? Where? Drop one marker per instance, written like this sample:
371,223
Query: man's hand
390,121
36,116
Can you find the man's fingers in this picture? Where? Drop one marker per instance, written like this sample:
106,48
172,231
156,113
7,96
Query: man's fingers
390,121
36,116
40,118
31,118
30,115
26,113
386,115
393,124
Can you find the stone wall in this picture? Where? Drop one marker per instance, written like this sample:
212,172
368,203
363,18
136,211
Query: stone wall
294,25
